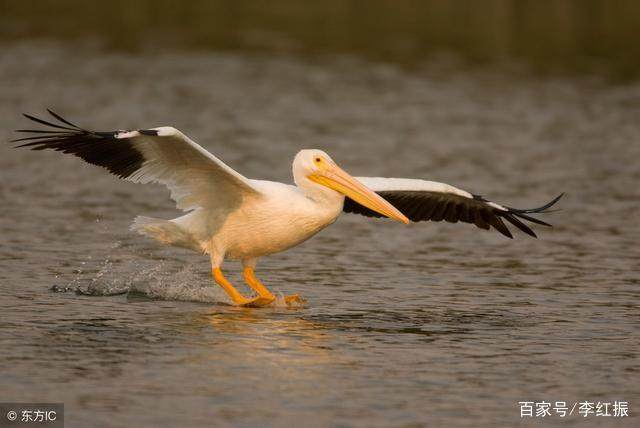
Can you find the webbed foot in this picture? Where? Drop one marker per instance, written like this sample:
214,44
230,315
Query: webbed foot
294,300
256,302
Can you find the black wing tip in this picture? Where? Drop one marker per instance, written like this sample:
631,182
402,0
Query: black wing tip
511,218
513,215
538,210
119,157
62,122
59,128
550,204
499,225
531,219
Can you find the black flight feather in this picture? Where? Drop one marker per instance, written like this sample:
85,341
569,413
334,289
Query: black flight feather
118,155
425,205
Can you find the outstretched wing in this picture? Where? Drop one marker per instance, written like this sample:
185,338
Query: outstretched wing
422,200
164,155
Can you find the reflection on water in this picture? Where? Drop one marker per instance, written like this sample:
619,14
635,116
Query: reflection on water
551,35
429,324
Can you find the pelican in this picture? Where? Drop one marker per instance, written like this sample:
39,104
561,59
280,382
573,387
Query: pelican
229,216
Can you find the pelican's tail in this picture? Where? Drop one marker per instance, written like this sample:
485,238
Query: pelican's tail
165,231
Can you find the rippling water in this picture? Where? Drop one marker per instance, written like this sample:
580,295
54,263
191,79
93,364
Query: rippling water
435,324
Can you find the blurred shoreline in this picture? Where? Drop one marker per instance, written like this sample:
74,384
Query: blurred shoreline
574,37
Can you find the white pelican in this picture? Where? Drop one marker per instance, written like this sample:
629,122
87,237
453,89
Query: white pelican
232,217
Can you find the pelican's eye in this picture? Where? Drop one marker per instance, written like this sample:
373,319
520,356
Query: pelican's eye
318,159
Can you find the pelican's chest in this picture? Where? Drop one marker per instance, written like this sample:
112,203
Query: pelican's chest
275,223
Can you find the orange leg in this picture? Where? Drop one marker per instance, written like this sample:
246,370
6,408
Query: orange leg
258,287
238,298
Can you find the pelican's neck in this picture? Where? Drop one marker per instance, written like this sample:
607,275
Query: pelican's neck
319,193
316,192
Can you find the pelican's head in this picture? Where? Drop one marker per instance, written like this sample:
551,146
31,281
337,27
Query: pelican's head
315,167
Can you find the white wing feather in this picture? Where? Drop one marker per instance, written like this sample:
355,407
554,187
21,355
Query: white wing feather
382,184
195,177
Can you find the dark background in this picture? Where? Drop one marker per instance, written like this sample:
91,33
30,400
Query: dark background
558,36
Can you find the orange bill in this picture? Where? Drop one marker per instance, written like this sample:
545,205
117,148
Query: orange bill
334,177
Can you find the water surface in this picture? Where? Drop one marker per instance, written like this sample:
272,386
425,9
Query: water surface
439,324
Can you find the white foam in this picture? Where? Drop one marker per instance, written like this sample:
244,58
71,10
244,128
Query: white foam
155,280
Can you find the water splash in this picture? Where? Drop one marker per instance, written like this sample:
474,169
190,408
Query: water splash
185,285
163,280
151,279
